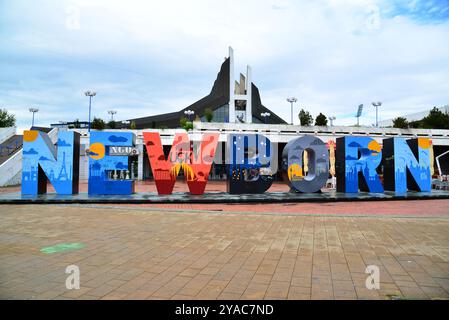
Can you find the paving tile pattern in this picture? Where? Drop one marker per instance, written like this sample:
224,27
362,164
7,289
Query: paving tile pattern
139,254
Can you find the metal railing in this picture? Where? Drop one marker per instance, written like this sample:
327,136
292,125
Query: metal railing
11,168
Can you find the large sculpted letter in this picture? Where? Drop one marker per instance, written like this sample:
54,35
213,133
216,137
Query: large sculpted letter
354,171
318,164
249,163
108,173
42,161
196,167
402,170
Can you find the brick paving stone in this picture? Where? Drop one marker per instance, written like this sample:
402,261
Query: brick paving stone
435,292
194,286
364,293
277,290
413,292
142,252
172,287
299,293
229,296
388,291
261,278
255,291
302,282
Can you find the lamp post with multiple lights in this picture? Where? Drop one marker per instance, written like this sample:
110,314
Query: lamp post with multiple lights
292,100
33,110
189,114
265,116
377,105
90,94
112,112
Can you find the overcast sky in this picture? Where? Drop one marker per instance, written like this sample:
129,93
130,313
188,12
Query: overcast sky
150,57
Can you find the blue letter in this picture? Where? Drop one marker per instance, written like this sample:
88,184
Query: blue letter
249,163
401,169
109,174
350,166
42,161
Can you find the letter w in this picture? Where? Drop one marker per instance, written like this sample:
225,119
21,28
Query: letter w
196,167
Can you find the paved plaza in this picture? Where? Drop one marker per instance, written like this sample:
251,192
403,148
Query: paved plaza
274,251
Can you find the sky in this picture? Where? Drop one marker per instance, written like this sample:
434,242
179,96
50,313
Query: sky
150,57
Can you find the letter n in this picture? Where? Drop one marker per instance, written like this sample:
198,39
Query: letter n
196,167
407,164
43,161
357,159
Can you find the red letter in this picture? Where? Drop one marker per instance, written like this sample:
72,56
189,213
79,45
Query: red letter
196,169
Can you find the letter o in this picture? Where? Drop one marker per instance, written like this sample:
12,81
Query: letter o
318,164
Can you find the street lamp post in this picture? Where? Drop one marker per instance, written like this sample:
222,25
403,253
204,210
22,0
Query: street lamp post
112,112
189,113
90,94
331,119
265,116
292,100
33,110
359,113
377,105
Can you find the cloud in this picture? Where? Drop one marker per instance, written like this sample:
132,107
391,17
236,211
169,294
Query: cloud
31,152
354,144
368,152
42,158
114,138
120,165
332,55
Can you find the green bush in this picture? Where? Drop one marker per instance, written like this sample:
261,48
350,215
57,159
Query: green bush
98,124
321,120
6,119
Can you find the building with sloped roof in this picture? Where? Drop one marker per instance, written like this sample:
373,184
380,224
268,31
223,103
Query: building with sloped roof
230,101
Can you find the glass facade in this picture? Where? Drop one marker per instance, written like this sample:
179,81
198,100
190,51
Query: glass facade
221,114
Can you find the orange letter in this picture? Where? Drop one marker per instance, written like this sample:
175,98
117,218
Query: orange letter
196,169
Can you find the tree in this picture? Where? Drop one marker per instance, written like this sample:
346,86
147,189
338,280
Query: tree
321,120
208,114
186,124
6,119
76,124
182,122
133,125
400,122
436,119
98,124
305,118
415,124
112,124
